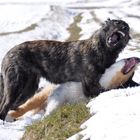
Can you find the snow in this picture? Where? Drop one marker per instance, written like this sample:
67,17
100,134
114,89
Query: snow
15,130
116,116
116,113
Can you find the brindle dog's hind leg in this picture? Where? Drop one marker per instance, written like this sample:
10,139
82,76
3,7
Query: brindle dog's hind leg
29,90
21,86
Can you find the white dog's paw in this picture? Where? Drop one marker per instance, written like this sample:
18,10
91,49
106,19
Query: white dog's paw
9,118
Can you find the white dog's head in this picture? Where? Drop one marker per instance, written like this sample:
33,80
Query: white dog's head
119,73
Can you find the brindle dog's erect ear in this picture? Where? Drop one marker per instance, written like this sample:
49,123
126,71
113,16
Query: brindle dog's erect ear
129,83
106,23
108,19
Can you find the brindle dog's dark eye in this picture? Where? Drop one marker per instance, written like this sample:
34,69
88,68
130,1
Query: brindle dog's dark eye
124,28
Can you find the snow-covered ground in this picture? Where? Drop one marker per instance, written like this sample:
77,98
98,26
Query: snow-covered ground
116,113
116,116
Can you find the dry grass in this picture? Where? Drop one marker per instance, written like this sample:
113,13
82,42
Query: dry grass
60,125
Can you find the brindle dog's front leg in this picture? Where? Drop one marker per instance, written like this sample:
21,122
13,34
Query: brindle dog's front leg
91,86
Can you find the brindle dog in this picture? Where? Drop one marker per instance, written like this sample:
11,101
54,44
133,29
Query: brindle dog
59,62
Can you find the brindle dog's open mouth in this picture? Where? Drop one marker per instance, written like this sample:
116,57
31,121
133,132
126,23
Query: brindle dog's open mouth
115,38
130,63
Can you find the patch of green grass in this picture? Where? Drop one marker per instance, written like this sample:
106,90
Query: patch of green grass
62,124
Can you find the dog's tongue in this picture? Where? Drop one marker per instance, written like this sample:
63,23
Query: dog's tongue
114,38
130,64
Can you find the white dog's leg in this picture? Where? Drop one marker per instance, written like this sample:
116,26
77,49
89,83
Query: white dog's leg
70,92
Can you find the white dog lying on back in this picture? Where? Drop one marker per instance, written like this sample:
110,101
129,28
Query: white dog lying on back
54,96
72,92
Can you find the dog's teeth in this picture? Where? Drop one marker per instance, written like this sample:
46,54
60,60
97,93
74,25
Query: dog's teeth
121,33
109,40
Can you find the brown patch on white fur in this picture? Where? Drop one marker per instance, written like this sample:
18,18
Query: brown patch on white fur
34,104
120,78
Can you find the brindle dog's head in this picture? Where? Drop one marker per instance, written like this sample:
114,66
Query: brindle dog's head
115,34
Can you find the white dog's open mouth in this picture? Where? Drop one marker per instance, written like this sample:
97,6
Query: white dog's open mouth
130,63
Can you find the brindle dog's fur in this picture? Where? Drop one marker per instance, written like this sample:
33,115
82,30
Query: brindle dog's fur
58,62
